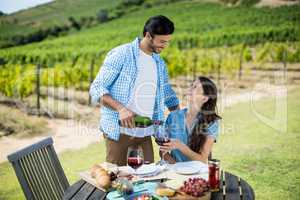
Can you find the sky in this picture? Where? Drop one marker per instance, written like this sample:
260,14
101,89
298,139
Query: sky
10,6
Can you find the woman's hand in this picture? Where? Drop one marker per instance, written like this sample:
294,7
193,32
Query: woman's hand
173,144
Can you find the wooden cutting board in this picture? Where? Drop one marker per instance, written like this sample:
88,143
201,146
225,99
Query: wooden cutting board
177,183
86,175
188,197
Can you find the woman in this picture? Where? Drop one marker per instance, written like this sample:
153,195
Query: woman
194,130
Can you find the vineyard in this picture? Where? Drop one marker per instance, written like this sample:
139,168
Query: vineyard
209,38
19,80
198,25
251,53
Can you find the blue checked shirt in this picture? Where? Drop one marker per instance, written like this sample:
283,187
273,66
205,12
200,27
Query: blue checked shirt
117,77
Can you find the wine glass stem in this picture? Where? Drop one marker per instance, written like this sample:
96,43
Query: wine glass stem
162,156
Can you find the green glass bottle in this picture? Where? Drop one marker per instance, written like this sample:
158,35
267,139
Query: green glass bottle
144,122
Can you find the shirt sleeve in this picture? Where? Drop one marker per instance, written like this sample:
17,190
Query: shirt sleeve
107,74
174,124
171,99
168,124
213,130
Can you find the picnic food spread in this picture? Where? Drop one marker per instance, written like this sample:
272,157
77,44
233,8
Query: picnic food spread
124,183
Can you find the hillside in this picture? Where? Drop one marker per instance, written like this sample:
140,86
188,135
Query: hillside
48,15
209,38
197,25
251,52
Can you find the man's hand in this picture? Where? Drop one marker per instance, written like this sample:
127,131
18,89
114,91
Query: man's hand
126,117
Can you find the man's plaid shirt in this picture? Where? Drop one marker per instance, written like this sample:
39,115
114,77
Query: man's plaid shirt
117,76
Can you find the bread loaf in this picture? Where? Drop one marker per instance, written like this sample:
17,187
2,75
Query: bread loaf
96,170
103,181
101,176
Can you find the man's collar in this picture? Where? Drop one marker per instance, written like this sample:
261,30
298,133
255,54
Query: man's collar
136,48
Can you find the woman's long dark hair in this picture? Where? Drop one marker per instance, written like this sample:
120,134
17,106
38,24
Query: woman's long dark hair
206,115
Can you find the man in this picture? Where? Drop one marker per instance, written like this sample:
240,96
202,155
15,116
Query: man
133,80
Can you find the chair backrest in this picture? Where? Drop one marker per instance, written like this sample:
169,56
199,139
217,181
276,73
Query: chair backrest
39,171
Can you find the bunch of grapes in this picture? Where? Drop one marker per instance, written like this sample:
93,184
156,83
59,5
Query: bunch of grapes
195,187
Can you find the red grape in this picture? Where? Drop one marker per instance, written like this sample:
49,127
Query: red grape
195,186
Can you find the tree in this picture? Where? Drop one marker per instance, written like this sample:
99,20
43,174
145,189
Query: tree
74,23
102,16
132,2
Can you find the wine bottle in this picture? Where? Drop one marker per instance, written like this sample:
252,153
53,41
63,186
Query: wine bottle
143,122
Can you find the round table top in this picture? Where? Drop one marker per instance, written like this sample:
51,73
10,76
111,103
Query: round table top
231,187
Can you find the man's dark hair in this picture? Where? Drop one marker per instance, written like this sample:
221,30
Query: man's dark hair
158,25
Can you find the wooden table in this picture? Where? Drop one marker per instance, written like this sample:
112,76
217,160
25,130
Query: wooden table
232,188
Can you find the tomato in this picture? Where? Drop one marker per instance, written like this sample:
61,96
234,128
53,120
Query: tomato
143,197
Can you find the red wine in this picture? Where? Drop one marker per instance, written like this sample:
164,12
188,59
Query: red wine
135,162
161,141
214,179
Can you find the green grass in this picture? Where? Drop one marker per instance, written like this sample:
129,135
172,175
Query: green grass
268,160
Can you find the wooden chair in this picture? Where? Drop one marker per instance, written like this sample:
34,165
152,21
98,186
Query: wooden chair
39,171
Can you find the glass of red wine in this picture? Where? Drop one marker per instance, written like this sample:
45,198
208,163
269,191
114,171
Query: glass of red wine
161,137
135,157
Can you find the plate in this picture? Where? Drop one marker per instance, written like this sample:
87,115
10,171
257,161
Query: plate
146,170
186,170
190,167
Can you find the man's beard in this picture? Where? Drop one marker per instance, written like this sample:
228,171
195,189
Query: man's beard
153,47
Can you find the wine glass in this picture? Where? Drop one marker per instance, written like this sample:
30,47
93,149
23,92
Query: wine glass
161,137
135,157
